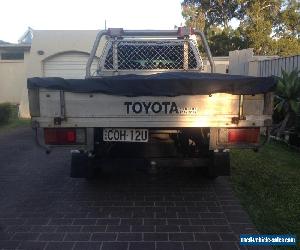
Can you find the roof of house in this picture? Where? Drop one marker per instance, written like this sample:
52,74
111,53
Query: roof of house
17,46
24,42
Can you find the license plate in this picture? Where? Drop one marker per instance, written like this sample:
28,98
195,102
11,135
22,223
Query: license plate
125,135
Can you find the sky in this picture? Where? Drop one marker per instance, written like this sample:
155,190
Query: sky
17,15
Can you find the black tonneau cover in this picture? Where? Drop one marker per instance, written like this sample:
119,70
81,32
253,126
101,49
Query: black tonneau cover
161,84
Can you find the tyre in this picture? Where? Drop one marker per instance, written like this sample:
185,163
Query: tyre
79,165
219,165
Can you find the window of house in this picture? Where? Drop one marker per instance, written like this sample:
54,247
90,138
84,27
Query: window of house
12,56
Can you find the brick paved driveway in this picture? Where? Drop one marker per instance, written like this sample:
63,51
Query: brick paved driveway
42,208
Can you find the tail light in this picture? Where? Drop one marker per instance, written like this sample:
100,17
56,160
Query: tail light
243,135
64,136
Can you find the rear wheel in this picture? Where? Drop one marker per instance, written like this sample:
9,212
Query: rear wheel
78,165
81,166
219,165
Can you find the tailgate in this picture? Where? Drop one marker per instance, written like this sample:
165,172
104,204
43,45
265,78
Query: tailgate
101,110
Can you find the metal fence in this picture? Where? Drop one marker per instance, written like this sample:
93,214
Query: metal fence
275,66
150,55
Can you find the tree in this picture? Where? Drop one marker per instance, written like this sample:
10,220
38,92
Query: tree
286,46
287,98
270,27
258,19
288,21
194,17
207,13
213,18
227,40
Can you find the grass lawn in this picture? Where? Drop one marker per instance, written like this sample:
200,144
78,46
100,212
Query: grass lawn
14,123
268,186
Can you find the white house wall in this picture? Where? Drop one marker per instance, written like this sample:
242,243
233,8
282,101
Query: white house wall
12,79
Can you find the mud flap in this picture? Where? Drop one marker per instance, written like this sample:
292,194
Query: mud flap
79,165
220,164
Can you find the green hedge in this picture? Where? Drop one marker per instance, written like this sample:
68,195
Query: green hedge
8,111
